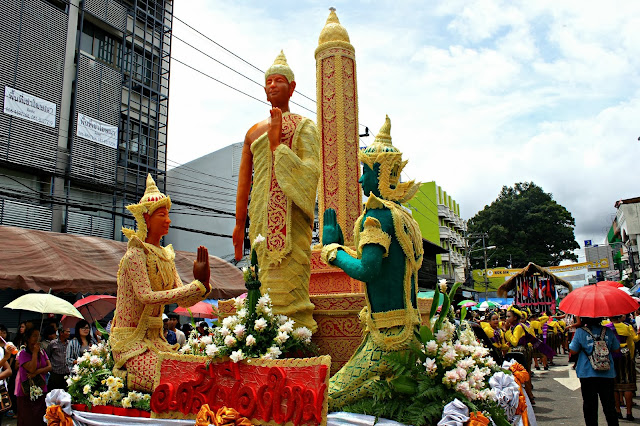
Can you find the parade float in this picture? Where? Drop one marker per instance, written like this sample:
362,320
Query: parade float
376,348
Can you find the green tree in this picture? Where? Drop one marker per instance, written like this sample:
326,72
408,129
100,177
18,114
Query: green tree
526,225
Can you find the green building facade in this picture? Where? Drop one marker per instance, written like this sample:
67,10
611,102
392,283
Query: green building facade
438,215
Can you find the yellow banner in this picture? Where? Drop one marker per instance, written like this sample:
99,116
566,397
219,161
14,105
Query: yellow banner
504,272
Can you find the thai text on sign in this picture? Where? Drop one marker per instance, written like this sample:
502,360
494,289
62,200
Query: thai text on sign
29,107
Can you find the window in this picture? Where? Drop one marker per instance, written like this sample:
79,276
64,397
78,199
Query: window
142,143
100,44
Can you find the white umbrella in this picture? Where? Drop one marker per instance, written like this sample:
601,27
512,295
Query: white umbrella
44,303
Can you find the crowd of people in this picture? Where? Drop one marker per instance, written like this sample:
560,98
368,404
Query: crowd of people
533,338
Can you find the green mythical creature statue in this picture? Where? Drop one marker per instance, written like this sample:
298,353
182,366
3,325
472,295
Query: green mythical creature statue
387,257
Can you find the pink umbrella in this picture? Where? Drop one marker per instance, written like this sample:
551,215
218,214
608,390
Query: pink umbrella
199,310
469,304
92,308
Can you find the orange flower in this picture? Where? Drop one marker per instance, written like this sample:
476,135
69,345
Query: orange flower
56,417
477,419
205,416
228,416
520,374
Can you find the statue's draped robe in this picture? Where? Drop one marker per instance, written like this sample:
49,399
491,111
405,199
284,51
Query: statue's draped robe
282,210
391,315
147,281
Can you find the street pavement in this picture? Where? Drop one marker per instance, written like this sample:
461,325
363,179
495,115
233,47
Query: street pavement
558,397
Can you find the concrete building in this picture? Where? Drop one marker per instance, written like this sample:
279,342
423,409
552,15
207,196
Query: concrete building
626,235
84,113
439,218
204,191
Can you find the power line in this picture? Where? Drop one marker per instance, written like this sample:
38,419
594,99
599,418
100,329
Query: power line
230,52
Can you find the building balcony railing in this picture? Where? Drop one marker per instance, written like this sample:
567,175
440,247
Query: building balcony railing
445,232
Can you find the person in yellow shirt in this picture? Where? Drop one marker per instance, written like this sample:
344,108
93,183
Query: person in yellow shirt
517,337
625,365
494,333
536,328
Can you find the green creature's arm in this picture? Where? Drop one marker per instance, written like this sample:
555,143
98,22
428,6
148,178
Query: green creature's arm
364,269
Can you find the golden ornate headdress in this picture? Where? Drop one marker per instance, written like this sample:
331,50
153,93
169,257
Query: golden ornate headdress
382,152
152,200
280,66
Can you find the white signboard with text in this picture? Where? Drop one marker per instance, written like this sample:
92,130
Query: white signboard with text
97,131
23,105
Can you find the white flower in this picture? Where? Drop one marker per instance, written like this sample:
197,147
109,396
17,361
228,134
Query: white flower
431,365
281,337
449,358
258,240
466,363
282,319
245,269
303,334
260,324
206,340
230,322
443,285
431,347
287,327
242,313
95,400
126,402
95,360
186,348
274,352
69,381
230,341
264,300
212,350
75,369
239,331
95,350
239,302
224,331
251,340
86,389
442,336
237,355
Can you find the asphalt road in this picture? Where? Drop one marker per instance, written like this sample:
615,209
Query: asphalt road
558,397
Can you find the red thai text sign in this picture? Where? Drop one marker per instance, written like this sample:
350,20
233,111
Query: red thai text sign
290,391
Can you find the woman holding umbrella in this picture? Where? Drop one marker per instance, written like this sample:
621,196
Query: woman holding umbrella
591,303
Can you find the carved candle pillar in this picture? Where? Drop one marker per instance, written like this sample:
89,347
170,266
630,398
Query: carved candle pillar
337,99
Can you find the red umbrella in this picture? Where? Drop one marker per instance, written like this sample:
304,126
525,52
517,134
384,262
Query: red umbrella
598,301
92,308
614,284
199,310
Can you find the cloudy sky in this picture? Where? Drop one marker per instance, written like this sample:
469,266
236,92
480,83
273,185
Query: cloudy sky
481,94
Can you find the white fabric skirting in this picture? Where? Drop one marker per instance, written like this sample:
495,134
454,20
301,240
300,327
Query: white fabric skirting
83,418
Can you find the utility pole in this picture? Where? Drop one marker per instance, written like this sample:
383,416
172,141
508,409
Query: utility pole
486,280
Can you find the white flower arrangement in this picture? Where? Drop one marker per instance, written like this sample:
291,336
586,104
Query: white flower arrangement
35,392
262,335
91,382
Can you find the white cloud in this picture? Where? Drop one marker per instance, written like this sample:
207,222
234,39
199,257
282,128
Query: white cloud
480,94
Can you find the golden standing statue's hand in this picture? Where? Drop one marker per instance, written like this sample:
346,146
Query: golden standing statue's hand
275,128
201,271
